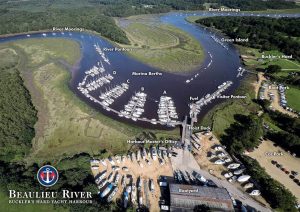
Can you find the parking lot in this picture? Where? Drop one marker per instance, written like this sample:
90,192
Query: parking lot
266,153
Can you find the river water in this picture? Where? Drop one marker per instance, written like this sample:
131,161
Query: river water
220,65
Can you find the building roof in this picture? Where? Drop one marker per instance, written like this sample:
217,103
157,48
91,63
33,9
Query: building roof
186,197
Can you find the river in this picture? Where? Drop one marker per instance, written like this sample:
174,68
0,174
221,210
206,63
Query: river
220,65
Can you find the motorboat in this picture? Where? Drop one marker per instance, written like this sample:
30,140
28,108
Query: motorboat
255,193
243,178
233,166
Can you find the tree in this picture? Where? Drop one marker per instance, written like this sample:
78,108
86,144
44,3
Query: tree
273,69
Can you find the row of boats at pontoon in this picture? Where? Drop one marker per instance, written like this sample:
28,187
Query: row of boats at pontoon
219,42
197,74
135,107
101,53
98,82
95,70
94,79
109,96
208,97
167,111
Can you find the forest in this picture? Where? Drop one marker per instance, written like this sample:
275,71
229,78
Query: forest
17,117
256,4
264,33
243,134
23,21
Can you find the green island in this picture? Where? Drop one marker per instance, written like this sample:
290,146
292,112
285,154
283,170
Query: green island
162,46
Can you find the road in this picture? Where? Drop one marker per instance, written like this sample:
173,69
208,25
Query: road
185,161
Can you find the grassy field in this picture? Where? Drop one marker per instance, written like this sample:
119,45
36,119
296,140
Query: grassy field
163,46
252,58
8,59
293,97
66,125
192,19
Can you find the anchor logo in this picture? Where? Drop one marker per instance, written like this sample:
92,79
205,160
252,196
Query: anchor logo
47,175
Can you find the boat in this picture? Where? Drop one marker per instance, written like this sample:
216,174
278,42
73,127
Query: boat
239,171
123,181
151,185
140,182
112,162
110,176
106,191
140,200
254,193
243,178
227,160
113,193
228,175
218,148
221,154
219,162
248,185
128,189
126,197
102,184
153,153
117,177
95,167
153,121
233,166
100,177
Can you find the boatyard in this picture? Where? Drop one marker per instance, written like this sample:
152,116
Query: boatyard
134,178
198,159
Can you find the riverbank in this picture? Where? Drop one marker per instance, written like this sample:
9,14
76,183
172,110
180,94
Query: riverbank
161,45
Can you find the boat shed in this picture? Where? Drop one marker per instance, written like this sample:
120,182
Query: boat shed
186,197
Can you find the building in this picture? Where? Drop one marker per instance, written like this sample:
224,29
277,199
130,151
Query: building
186,197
